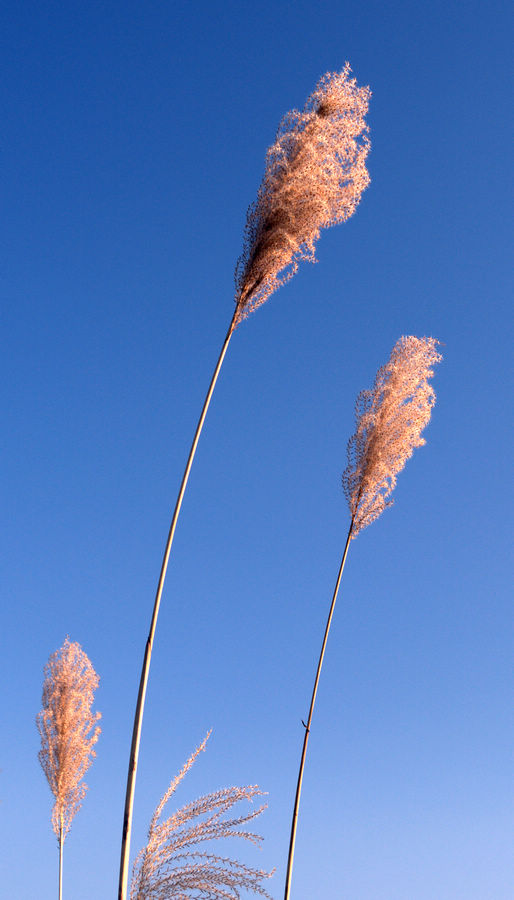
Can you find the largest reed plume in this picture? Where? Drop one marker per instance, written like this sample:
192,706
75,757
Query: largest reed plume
69,731
314,177
389,420
172,867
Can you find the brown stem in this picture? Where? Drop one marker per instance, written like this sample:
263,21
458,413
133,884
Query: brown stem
138,717
307,725
60,857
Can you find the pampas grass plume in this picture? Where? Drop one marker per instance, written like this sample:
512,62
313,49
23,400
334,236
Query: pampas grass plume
69,731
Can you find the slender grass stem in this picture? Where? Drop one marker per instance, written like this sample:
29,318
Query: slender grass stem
61,841
138,717
307,725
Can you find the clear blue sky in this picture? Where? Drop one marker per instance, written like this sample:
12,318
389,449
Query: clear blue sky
133,140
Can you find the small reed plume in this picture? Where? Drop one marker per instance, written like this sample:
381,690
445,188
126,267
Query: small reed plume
68,732
171,867
390,419
314,177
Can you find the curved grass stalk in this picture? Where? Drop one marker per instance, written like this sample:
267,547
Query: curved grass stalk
307,725
138,717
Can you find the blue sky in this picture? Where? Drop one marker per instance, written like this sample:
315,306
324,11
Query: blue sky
134,138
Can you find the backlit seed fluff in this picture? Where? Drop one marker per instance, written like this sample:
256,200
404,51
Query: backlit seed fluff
68,730
315,175
389,419
173,865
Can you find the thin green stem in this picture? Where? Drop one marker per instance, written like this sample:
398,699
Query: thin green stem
138,717
307,725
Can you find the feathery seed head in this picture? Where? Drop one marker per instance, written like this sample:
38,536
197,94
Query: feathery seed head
390,419
171,867
68,730
314,177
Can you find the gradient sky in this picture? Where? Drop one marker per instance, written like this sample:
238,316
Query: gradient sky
133,142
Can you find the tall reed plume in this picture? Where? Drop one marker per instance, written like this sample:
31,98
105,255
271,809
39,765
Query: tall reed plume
314,177
68,732
171,867
389,420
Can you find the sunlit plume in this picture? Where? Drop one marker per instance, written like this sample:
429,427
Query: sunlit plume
390,419
315,175
68,730
172,867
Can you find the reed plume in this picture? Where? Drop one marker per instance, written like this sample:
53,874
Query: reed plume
389,420
68,732
171,867
315,174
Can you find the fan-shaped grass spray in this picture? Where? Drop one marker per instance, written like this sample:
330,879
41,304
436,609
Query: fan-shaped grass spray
173,865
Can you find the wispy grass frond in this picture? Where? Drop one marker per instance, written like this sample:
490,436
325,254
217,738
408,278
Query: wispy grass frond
171,868
390,418
315,175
